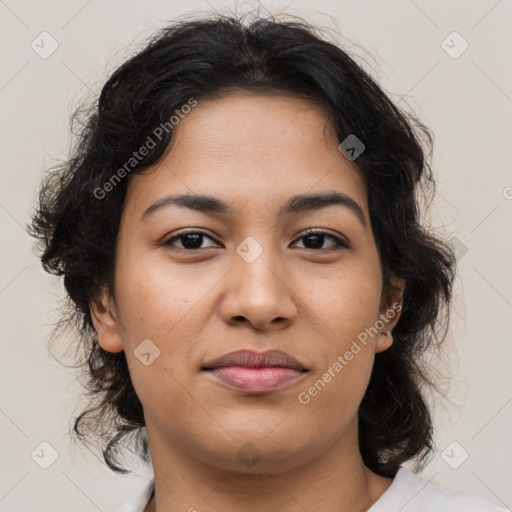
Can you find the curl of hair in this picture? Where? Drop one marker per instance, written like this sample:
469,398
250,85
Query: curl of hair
203,59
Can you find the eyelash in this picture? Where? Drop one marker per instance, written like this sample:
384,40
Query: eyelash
340,244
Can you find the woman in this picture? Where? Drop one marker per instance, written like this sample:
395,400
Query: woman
239,234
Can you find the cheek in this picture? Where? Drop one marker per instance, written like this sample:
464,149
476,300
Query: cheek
157,297
349,307
158,305
347,302
165,304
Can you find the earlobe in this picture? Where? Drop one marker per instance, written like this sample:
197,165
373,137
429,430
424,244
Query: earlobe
384,341
105,323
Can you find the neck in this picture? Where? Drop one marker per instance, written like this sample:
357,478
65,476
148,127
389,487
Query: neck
334,480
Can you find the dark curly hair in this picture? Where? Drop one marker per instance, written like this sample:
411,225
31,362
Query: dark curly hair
202,59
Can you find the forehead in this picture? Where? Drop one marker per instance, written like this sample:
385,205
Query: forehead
251,150
271,121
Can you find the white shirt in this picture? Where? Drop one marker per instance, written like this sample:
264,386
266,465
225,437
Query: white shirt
407,493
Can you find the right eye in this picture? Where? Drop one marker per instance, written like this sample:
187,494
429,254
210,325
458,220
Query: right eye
190,240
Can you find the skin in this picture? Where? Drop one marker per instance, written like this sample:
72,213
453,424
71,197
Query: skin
253,151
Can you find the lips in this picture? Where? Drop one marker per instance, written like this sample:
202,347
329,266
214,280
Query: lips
250,359
255,372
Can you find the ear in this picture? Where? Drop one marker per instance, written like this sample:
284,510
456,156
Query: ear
107,327
390,313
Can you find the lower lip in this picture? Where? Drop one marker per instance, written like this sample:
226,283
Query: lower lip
255,380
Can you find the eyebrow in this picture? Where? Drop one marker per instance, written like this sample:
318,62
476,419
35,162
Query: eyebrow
295,204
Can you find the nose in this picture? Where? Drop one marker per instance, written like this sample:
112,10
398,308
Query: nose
259,293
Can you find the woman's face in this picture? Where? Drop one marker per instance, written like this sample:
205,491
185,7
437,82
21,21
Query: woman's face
253,279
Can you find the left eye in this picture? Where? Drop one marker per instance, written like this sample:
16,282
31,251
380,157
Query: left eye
192,240
317,238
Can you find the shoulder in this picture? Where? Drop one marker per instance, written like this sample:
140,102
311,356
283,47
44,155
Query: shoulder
138,502
412,493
